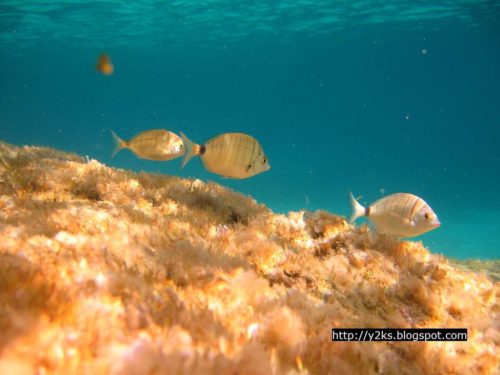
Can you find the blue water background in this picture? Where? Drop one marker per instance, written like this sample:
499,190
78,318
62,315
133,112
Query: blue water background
408,105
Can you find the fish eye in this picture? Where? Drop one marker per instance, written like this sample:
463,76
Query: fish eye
181,146
264,160
427,215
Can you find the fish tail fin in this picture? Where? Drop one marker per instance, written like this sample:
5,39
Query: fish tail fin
191,149
119,143
357,210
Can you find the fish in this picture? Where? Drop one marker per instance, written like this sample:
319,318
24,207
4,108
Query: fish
104,65
400,214
231,155
157,144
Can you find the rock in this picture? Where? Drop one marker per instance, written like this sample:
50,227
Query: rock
105,271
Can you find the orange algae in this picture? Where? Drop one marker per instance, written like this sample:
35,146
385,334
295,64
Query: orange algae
106,271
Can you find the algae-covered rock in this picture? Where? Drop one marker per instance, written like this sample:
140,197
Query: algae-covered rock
105,271
491,267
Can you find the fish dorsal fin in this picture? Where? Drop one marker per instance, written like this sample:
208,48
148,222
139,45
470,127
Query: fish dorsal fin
222,134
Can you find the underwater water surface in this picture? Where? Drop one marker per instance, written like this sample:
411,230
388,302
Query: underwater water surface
362,96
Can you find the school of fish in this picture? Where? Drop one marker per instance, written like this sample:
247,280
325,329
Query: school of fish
240,156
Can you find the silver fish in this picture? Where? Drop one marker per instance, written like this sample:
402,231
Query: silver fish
401,214
157,144
233,155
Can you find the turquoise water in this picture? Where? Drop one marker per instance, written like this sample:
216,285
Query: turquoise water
373,97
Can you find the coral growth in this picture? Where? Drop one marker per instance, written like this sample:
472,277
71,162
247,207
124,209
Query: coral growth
107,271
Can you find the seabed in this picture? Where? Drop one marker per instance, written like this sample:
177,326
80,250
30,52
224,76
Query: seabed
106,271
